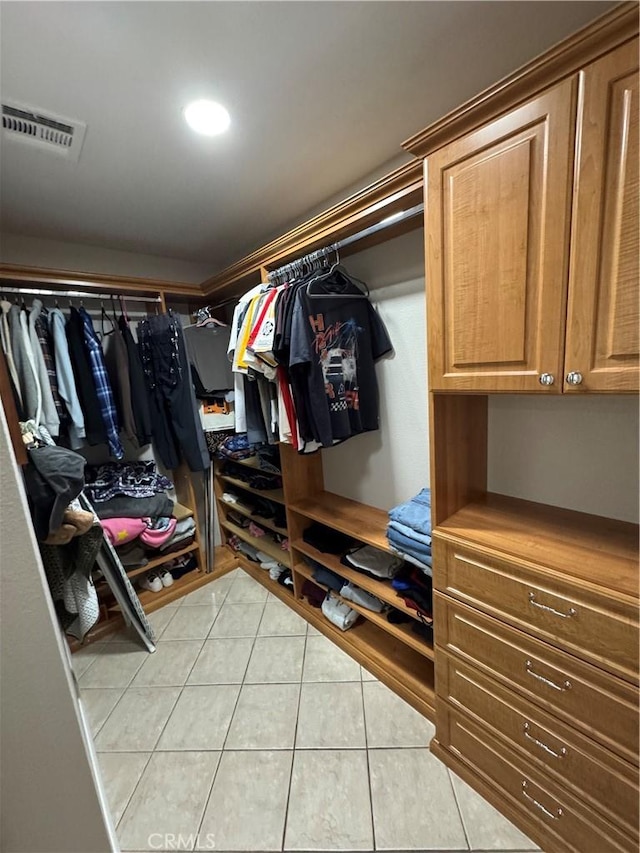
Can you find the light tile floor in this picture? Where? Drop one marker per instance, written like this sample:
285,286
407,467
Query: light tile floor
247,730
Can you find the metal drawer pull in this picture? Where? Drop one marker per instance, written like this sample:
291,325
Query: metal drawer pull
566,685
539,743
538,805
571,612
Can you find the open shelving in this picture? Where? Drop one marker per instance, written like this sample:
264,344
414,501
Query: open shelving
276,495
262,543
401,632
360,521
254,516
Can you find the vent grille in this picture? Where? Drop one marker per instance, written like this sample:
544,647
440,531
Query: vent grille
62,135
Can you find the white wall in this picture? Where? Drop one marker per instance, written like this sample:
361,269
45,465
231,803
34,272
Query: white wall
391,465
48,796
81,257
576,452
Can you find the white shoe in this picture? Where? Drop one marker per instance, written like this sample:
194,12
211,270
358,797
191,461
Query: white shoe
152,582
166,578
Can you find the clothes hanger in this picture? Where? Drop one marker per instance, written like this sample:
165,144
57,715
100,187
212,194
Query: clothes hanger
337,268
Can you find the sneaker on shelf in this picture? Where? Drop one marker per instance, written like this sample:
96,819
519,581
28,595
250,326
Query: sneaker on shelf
152,582
166,578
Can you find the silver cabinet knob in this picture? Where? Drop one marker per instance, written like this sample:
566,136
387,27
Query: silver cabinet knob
574,377
546,379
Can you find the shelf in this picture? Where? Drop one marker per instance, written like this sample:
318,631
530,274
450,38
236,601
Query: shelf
158,561
265,522
382,589
401,632
269,546
151,601
180,512
271,494
251,462
600,551
360,521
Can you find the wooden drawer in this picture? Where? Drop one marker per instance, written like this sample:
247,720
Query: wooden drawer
599,629
600,705
590,771
542,802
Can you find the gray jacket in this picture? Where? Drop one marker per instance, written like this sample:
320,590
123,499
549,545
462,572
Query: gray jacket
49,414
20,348
66,379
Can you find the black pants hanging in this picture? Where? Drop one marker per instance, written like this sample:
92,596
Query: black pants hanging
175,421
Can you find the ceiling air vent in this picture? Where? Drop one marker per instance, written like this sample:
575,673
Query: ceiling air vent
46,130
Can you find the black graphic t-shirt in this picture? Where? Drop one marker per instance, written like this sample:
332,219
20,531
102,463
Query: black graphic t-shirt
334,344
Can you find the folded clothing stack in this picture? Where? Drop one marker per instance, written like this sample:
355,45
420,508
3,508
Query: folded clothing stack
251,476
152,533
416,590
326,539
183,535
361,597
350,591
235,447
339,613
257,506
409,530
373,562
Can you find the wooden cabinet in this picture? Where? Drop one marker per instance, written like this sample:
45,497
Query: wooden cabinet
603,318
497,213
509,226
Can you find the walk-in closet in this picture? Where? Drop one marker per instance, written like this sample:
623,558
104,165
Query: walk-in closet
319,432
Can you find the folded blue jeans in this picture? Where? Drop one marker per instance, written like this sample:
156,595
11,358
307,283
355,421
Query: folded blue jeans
415,513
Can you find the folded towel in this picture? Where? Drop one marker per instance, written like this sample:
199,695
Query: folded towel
339,613
361,597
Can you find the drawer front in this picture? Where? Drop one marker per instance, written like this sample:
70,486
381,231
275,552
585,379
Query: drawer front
601,630
599,705
592,772
536,796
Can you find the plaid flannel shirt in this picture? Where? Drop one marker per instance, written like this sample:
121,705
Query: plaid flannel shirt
42,331
103,386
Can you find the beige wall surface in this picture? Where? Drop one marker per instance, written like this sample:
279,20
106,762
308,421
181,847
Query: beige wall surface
49,802
81,257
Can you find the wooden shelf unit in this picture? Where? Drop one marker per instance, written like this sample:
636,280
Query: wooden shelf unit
264,522
393,653
360,521
163,558
262,543
401,632
276,495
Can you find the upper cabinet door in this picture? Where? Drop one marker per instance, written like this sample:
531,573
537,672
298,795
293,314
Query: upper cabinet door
603,316
497,232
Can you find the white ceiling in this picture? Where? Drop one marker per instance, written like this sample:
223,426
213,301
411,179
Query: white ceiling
320,93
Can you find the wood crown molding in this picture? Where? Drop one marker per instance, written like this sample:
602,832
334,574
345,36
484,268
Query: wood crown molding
396,191
67,279
564,59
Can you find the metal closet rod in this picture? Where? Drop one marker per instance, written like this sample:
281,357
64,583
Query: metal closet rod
78,294
393,219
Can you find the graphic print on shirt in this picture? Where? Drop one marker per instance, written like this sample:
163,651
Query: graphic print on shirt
336,346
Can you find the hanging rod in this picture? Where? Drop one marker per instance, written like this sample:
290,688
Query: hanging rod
395,218
78,294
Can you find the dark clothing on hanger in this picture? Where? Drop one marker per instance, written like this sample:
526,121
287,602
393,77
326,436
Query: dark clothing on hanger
207,351
256,431
94,425
176,422
117,361
139,392
336,340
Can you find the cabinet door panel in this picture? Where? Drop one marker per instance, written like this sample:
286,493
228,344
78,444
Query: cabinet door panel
603,319
497,226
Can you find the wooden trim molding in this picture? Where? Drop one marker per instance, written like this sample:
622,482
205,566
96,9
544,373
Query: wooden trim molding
398,190
561,61
66,279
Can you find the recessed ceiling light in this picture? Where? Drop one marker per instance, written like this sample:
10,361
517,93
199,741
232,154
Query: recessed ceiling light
207,117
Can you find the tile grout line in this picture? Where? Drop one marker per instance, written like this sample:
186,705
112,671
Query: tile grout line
154,750
295,737
366,744
460,815
235,706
